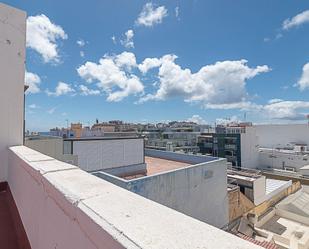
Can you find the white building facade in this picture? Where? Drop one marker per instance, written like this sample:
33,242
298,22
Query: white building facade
12,65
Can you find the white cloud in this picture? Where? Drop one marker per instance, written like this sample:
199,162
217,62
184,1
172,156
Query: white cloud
177,11
275,109
151,15
86,91
222,84
272,101
288,110
114,39
303,82
81,43
217,86
42,36
82,54
125,60
196,119
242,105
33,81
128,40
278,36
114,76
149,63
296,21
51,110
61,89
33,106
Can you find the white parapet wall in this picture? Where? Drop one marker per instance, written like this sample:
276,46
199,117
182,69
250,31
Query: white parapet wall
198,190
62,206
12,73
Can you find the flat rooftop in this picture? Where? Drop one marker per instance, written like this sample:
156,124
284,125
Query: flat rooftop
244,174
157,165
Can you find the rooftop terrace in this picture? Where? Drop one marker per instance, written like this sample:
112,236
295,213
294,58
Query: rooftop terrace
156,165
64,207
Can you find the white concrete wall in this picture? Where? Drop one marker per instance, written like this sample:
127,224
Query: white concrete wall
64,207
249,148
283,134
276,160
199,191
259,190
12,75
52,147
104,154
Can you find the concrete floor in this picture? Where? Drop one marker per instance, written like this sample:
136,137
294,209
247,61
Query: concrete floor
158,165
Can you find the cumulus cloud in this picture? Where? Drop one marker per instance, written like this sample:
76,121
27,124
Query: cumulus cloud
196,119
33,81
150,63
296,21
86,91
216,86
222,84
61,89
151,15
303,82
113,75
128,39
42,36
82,54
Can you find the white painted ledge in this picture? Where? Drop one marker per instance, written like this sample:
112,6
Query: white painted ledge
64,207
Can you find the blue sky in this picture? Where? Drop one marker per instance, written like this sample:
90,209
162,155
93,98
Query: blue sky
150,61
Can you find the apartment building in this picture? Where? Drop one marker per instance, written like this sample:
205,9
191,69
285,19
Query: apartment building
172,139
77,129
104,127
237,143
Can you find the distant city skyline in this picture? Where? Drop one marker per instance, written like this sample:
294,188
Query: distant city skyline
153,61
